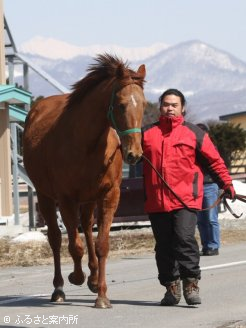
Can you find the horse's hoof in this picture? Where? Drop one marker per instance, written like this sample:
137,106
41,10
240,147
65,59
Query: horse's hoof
103,303
58,296
93,287
75,280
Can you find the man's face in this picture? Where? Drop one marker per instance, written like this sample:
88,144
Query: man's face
171,106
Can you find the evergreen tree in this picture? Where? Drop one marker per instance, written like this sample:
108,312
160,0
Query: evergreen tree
151,113
229,138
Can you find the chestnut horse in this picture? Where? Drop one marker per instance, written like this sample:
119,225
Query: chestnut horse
73,149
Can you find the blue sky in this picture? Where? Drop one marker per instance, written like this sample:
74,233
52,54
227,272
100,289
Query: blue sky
131,23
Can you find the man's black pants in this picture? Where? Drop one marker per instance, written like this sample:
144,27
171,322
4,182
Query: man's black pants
177,251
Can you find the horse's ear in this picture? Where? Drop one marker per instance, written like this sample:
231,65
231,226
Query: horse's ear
142,71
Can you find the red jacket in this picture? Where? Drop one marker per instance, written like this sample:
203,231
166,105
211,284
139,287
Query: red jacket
178,150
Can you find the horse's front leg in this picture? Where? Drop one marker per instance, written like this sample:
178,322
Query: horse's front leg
87,222
70,216
106,210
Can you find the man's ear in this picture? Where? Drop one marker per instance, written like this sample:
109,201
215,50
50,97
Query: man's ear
183,111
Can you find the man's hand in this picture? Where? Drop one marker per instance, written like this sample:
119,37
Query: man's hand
230,191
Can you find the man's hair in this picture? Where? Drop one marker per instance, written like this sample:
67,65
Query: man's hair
175,92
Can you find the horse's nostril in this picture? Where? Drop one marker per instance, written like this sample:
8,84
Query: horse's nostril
131,159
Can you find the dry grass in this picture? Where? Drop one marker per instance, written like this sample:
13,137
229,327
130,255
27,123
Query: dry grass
124,242
233,236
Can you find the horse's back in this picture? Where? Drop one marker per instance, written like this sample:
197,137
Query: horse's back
43,116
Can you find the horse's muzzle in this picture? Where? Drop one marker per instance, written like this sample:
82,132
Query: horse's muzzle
132,159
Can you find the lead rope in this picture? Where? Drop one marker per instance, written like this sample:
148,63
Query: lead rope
221,196
242,198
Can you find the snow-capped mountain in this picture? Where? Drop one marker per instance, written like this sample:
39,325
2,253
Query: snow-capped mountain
213,80
195,67
55,49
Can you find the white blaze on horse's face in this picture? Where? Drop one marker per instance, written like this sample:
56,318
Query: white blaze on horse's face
131,118
133,101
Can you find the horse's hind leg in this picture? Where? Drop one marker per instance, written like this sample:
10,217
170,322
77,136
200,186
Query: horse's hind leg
47,207
87,221
70,216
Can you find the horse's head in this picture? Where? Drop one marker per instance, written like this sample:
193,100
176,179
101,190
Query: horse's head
111,77
126,112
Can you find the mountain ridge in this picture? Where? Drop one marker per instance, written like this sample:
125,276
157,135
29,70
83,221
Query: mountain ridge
213,80
63,50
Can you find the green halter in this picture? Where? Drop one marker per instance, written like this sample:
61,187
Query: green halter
110,116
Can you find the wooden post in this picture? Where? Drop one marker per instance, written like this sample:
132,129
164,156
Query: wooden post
5,157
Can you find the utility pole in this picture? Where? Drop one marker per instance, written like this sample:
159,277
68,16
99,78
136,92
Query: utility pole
6,207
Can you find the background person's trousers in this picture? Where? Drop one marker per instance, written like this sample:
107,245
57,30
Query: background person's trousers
177,251
208,221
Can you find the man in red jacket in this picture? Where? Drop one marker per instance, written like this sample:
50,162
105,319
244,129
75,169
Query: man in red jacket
178,150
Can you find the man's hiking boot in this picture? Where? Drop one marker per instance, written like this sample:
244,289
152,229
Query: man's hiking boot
173,293
191,291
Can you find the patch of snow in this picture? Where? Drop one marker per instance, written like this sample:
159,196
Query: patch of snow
30,236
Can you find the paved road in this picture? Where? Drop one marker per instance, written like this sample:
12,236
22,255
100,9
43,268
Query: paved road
134,293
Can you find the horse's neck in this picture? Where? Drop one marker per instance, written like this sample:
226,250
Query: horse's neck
90,120
92,131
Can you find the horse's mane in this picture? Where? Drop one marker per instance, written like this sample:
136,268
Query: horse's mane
106,67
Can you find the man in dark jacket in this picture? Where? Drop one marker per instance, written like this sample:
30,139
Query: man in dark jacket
176,148
208,220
